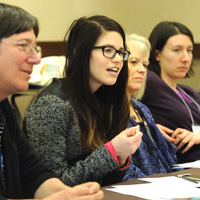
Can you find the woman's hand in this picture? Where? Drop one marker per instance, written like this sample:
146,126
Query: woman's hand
85,191
182,137
53,189
126,143
165,132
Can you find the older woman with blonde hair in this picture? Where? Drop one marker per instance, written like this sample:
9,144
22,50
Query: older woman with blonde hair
155,153
140,46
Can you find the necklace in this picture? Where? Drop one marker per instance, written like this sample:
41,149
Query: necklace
140,119
135,114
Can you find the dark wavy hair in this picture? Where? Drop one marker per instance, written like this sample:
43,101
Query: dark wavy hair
158,38
16,20
105,113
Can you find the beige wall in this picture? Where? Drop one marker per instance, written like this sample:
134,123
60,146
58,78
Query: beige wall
138,16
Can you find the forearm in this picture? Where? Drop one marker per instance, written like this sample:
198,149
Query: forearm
98,164
49,187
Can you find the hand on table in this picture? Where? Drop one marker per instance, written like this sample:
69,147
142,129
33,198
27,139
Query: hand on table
85,191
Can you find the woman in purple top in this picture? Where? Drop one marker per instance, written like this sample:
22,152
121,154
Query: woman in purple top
175,107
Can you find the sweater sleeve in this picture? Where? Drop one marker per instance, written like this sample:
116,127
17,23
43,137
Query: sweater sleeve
112,151
51,126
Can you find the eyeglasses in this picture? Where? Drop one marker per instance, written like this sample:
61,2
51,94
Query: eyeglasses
28,47
110,52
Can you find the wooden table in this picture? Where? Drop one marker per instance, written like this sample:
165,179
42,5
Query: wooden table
109,195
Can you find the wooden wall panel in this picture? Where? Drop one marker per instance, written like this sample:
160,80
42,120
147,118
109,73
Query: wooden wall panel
56,49
51,48
197,51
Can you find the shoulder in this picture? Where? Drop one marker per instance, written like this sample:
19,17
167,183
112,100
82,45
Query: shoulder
7,112
55,88
155,87
51,100
152,75
153,81
50,105
48,111
144,109
186,88
5,105
189,91
139,104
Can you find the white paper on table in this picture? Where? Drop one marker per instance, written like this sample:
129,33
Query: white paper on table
160,188
135,190
169,180
194,164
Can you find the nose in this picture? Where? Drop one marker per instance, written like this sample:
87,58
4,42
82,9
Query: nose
141,67
186,56
34,58
117,58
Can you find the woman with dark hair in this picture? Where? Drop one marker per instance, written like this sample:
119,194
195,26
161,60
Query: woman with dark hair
174,106
22,174
77,124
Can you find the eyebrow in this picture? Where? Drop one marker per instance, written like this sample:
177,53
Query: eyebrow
178,45
109,45
132,57
27,40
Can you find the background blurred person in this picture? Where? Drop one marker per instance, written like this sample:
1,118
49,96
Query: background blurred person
155,153
173,105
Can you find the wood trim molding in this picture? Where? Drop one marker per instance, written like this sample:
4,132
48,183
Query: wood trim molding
55,48
197,50
51,48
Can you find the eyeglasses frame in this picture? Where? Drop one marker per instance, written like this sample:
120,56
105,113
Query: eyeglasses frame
116,51
32,47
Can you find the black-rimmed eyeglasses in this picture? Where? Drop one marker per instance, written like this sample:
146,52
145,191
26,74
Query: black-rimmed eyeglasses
110,52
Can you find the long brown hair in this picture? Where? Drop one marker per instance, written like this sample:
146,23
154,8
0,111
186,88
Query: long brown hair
105,113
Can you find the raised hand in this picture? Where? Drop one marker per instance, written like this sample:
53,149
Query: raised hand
126,143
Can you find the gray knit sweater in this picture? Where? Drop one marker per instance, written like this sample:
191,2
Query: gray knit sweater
51,126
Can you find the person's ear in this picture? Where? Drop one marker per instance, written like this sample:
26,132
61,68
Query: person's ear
157,55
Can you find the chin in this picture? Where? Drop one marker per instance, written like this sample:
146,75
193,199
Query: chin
137,89
23,87
110,83
181,76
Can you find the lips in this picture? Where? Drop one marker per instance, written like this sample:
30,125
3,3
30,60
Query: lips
27,71
139,78
183,68
113,69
